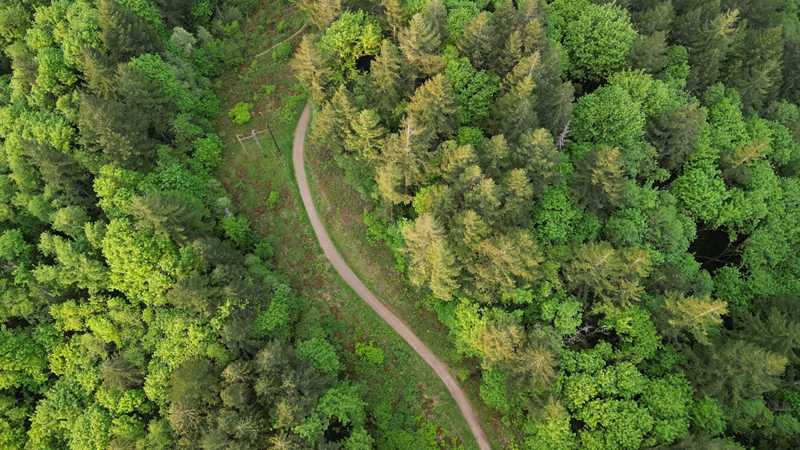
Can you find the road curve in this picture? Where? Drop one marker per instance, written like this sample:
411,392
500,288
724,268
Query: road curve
344,270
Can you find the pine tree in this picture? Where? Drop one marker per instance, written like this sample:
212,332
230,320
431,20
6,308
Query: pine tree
696,314
599,178
419,43
435,105
512,53
123,33
321,12
431,262
368,137
518,196
514,111
386,79
312,71
477,42
394,15
404,160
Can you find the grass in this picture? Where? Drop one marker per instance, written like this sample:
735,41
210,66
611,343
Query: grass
402,387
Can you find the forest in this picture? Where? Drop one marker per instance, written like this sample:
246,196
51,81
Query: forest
598,199
138,308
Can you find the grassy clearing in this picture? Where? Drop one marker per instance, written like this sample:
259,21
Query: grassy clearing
342,209
404,393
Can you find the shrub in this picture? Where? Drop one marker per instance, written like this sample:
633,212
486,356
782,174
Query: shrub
240,113
274,198
282,52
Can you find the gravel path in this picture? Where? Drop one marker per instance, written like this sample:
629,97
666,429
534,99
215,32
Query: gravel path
344,270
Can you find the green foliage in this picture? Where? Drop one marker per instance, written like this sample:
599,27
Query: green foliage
321,354
369,353
282,52
352,36
240,113
596,38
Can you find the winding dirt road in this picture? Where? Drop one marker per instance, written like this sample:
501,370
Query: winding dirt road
344,270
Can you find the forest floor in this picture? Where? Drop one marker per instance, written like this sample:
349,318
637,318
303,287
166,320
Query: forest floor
408,387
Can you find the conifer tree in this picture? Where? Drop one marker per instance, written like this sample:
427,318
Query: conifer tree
511,54
598,181
503,262
321,12
435,105
538,155
419,43
514,111
100,73
432,263
478,40
368,136
332,126
696,314
518,196
312,70
404,159
394,15
386,79
123,33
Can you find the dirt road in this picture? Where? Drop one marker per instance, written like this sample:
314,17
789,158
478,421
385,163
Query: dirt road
351,279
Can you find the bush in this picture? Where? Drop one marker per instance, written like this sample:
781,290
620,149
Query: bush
274,198
240,113
268,88
282,52
369,353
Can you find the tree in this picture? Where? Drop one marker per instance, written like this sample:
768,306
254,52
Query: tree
419,44
368,137
350,37
394,15
610,117
598,42
503,262
404,161
698,315
598,179
322,13
164,214
514,111
475,90
477,41
123,33
613,275
435,105
707,33
119,131
312,70
675,132
432,263
119,373
386,79
540,158
733,369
